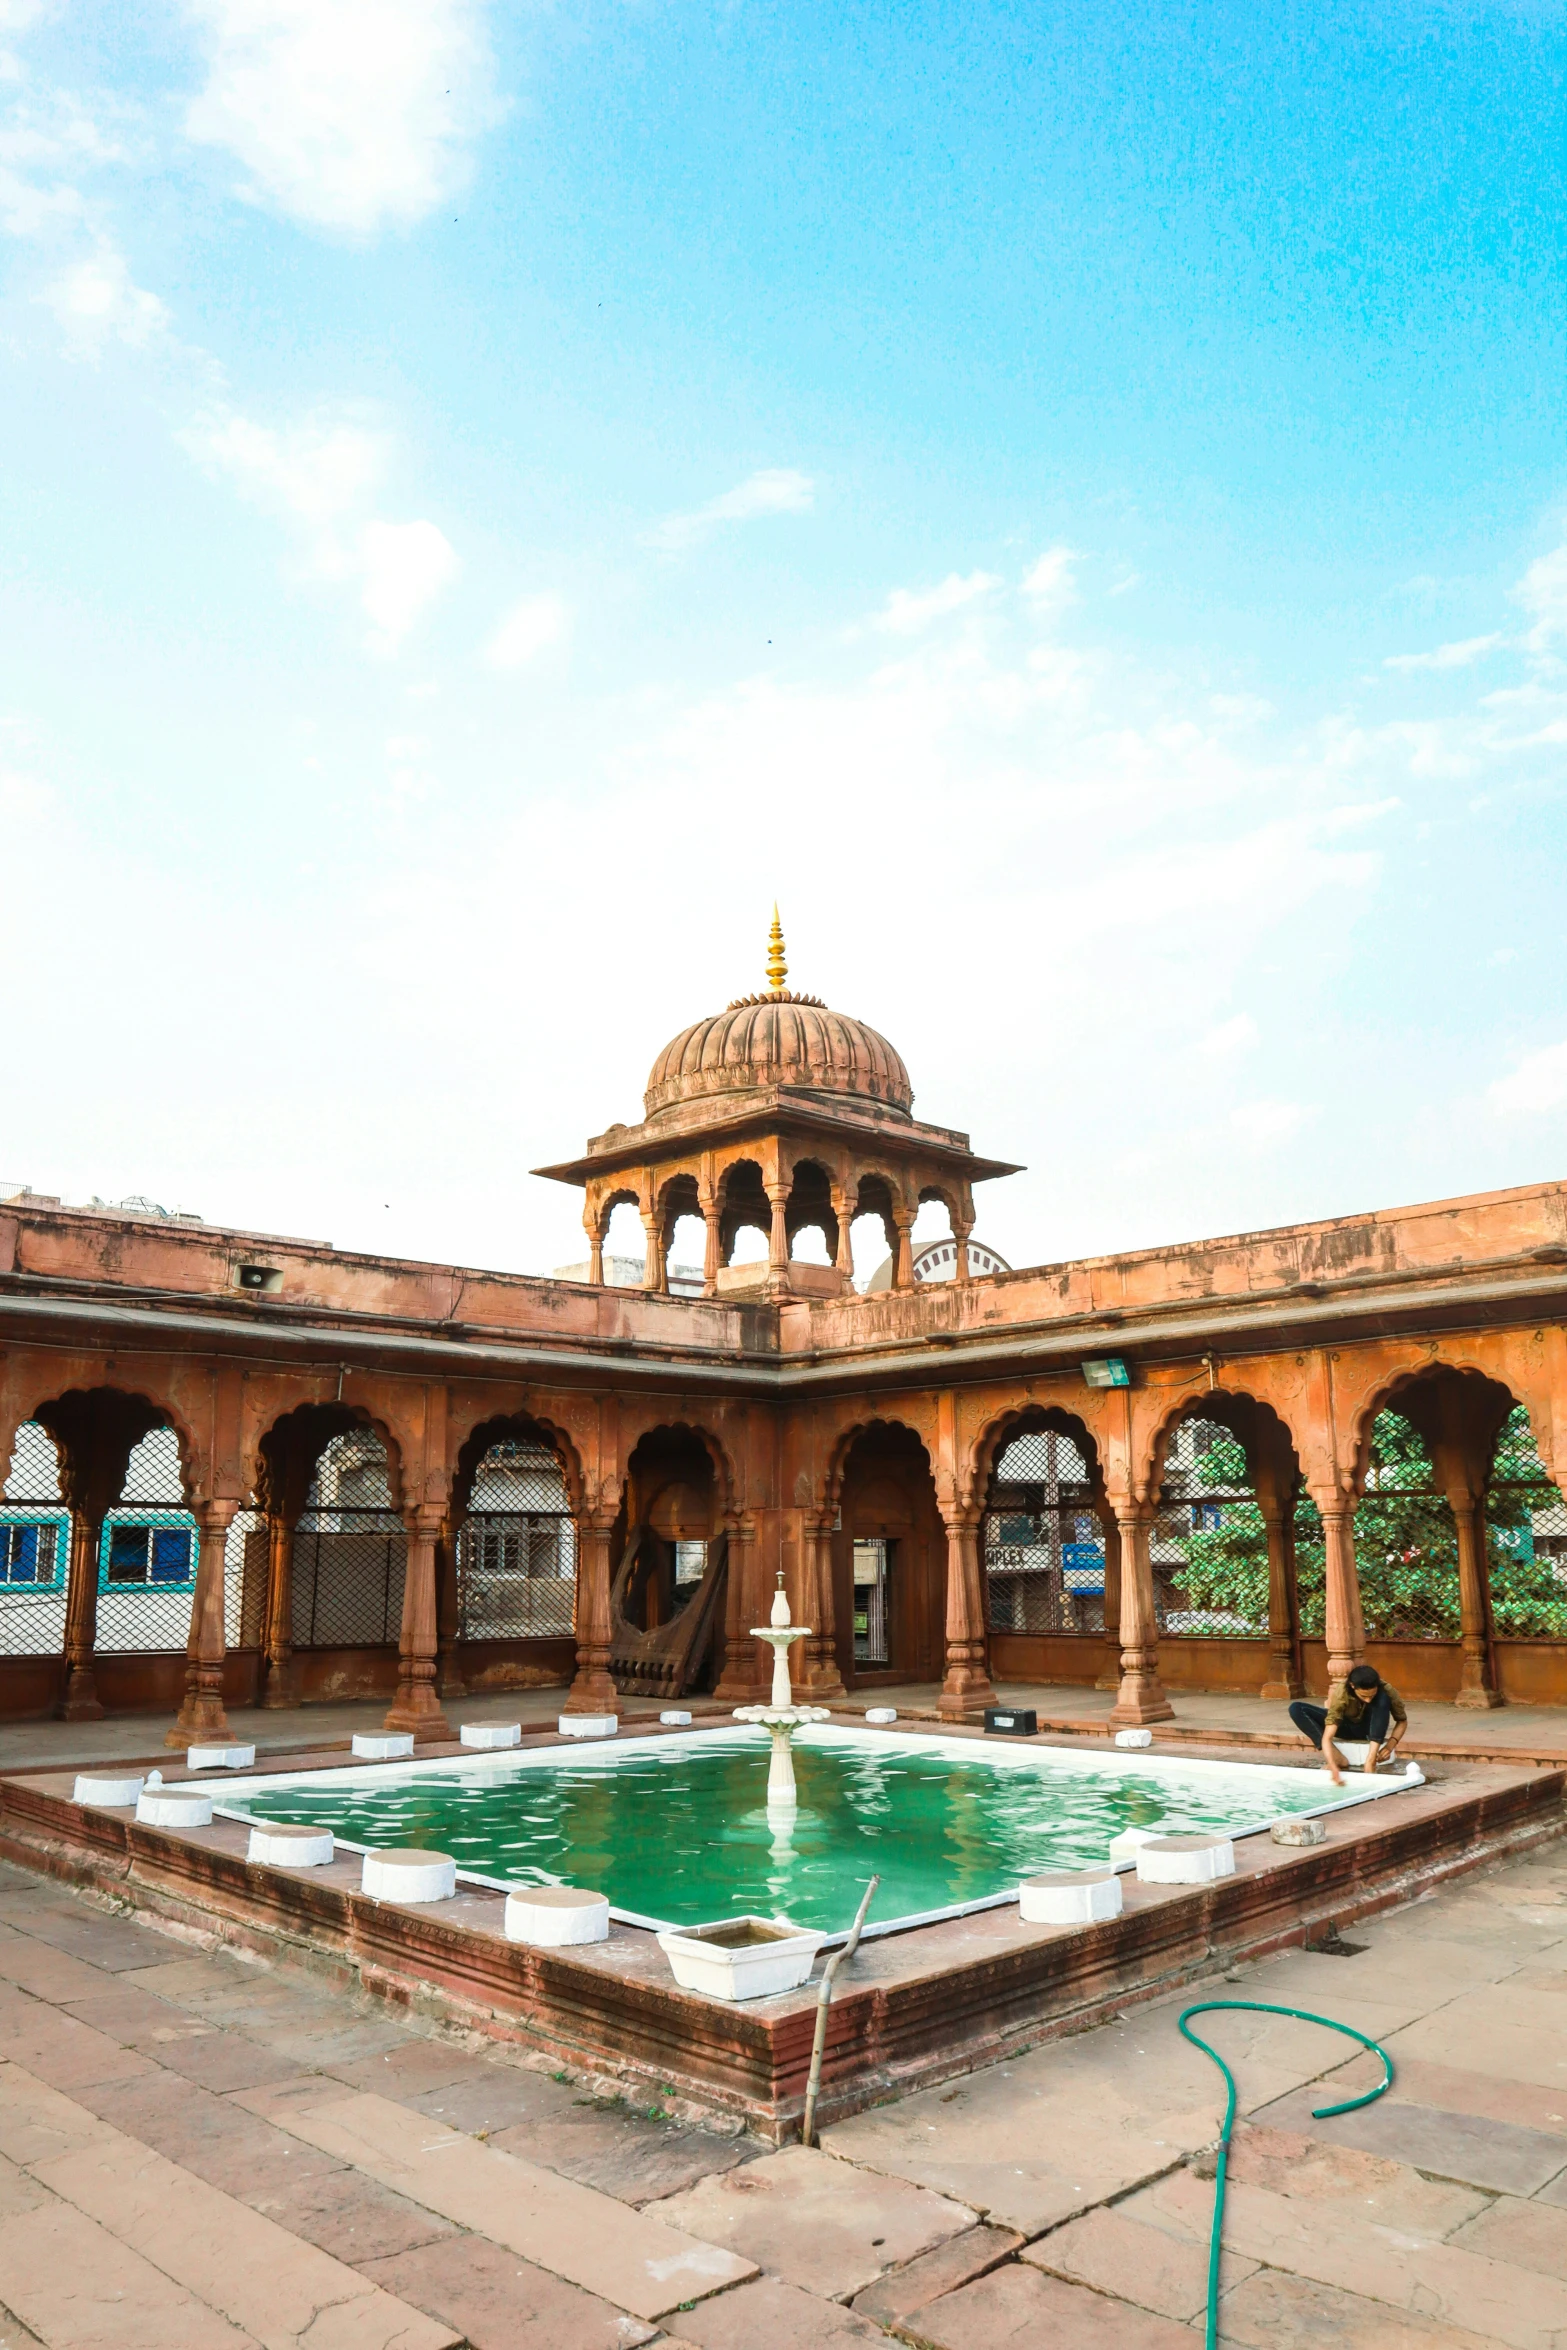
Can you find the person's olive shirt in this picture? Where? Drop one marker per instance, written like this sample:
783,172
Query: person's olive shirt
1350,1707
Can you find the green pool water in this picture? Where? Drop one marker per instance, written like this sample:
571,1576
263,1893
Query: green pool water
676,1830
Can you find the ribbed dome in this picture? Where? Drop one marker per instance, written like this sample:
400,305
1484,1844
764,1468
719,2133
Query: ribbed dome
779,1039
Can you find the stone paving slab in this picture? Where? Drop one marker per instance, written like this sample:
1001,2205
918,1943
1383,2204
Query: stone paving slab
895,2296
1020,2308
771,2316
624,2154
1501,2156
355,2219
817,2222
1529,2235
498,2302
213,2136
503,2097
1275,2311
640,2263
1119,2252
78,2288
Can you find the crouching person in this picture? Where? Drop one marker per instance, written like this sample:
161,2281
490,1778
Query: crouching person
1366,1709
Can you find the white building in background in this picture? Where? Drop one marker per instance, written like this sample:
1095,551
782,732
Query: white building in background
937,1260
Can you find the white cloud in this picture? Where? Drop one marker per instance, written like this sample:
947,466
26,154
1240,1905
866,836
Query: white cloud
1261,1124
1049,583
1538,1083
405,566
315,470
774,490
1454,656
1543,591
1231,1036
907,611
527,630
352,115
96,302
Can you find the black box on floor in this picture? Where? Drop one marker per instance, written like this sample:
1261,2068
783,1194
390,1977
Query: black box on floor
1014,1721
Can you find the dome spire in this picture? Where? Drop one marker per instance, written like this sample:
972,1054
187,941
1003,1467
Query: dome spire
777,968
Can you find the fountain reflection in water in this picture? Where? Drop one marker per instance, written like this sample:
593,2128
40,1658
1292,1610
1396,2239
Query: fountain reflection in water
781,1716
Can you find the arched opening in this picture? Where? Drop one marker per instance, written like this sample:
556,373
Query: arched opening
682,1236
1226,1548
1406,1544
668,1568
889,1562
349,1549
1045,1531
625,1246
516,1540
745,1216
810,1219
35,1547
1525,1539
873,1235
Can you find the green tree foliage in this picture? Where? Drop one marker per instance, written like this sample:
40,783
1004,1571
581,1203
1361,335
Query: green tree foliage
1406,1546
1525,1523
1226,1570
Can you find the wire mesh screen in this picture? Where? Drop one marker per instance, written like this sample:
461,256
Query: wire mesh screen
1209,1546
1044,1546
1406,1545
350,1550
1525,1539
245,1580
872,1597
517,1548
1311,1569
35,1548
148,1554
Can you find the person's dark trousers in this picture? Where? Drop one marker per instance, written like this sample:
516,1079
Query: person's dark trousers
1373,1726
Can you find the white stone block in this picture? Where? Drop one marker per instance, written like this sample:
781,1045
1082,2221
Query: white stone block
283,1846
383,1745
881,1715
220,1758
676,1718
1134,1737
490,1734
740,1958
551,1916
1070,1897
1298,1832
589,1725
113,1790
174,1807
409,1876
1185,1860
1129,1843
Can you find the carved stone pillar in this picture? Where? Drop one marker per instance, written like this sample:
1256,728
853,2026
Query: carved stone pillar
903,1256
960,1269
1142,1695
967,1687
778,1237
1343,1623
279,1668
202,1718
80,1702
655,1273
596,1251
713,1251
1284,1679
1110,1677
592,1690
448,1615
745,1675
1477,1686
820,1680
843,1209
416,1706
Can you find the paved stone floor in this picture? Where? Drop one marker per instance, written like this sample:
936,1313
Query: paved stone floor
199,2150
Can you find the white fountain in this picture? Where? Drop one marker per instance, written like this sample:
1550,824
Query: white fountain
781,1716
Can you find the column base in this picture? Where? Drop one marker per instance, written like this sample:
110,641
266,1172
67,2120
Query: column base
1281,1692
1108,1681
821,1680
448,1680
201,1721
80,1702
1142,1700
592,1692
417,1711
280,1687
1480,1700
966,1691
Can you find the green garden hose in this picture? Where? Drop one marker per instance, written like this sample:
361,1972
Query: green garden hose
1320,2113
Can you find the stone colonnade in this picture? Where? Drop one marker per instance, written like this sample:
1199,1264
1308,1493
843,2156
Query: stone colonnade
779,1469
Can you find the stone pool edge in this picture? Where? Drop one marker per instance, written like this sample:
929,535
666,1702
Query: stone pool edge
929,2004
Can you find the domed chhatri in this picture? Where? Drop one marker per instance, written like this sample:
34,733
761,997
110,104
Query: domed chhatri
779,1115
778,1039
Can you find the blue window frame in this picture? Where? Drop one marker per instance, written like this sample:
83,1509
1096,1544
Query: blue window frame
146,1557
31,1555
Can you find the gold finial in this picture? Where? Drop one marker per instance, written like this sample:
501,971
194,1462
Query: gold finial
777,968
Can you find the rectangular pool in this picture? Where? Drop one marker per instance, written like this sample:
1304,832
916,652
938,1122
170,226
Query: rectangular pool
676,1831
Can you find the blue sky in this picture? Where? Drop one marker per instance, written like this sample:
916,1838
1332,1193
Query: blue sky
1073,502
